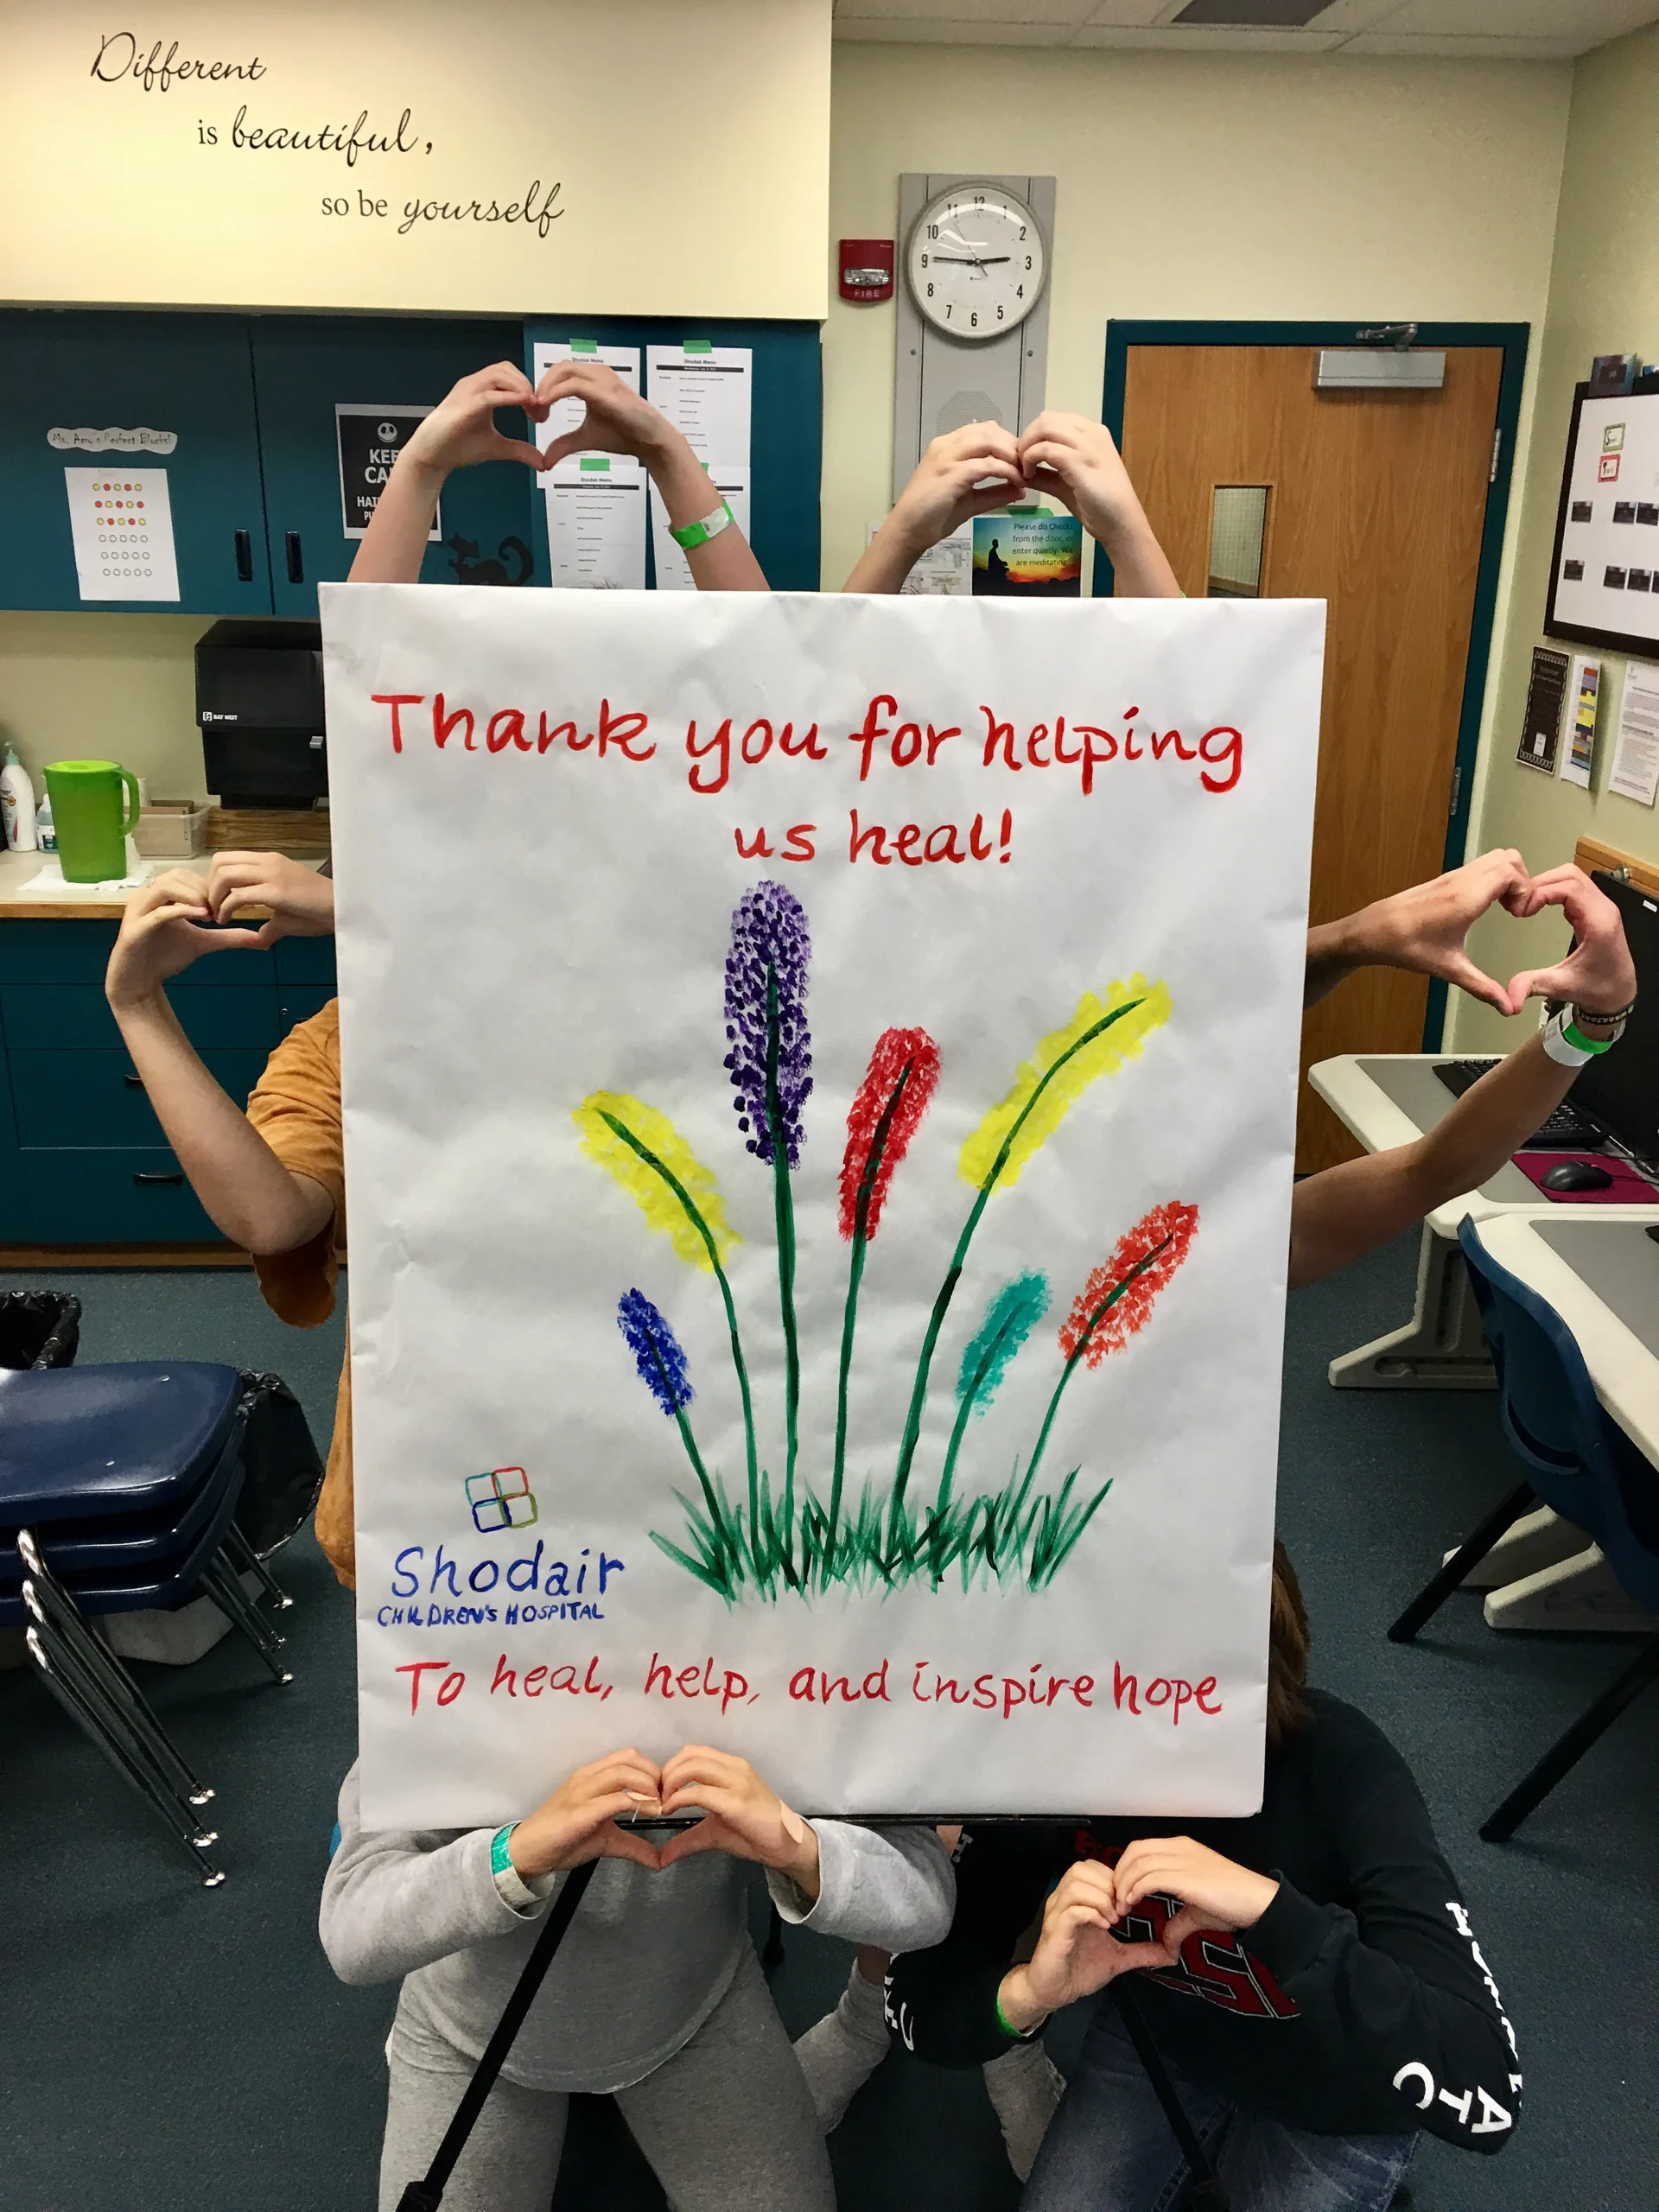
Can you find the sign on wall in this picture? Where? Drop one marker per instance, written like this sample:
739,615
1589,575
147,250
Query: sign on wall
412,156
819,1086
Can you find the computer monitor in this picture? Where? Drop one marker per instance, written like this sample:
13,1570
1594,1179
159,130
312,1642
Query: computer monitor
1619,1091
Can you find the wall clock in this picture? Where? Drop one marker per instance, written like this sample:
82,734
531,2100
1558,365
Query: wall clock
974,348
976,261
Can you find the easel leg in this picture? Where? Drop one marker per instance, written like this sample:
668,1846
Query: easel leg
1442,1347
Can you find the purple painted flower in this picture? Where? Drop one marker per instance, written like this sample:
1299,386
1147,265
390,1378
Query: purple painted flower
771,1055
656,1351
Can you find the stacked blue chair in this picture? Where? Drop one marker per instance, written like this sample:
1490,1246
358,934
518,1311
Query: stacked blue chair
119,1486
1581,1463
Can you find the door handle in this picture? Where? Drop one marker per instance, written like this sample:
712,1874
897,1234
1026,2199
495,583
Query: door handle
158,1175
133,1082
243,558
295,558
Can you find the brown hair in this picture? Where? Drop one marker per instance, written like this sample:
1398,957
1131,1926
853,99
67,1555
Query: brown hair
1286,1652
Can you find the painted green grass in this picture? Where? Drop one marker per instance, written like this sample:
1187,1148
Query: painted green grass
793,1545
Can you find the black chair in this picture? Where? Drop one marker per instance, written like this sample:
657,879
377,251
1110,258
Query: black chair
1578,1461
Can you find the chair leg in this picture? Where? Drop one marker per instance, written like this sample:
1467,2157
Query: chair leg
115,1722
221,1586
49,1602
1562,1757
195,1841
246,1560
1469,1555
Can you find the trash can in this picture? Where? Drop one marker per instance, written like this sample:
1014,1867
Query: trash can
39,1328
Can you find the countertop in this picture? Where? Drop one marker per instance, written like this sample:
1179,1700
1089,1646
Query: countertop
19,868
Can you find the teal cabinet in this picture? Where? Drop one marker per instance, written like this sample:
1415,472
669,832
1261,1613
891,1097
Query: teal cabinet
304,367
190,374
83,1158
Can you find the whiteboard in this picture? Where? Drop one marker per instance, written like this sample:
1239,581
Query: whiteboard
1605,583
712,969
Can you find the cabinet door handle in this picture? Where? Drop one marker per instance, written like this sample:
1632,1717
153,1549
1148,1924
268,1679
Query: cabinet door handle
133,1082
158,1175
296,557
244,556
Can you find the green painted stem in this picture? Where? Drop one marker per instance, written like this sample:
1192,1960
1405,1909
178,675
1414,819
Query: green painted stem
855,1275
686,1437
1082,1345
970,1399
661,1167
784,1212
948,1287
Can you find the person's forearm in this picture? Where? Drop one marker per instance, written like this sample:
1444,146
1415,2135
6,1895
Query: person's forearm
394,543
886,561
1016,2003
1139,568
725,562
245,1190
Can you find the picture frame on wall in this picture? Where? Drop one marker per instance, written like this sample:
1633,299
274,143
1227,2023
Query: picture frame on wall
1604,579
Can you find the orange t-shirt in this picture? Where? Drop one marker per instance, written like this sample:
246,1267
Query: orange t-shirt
296,1107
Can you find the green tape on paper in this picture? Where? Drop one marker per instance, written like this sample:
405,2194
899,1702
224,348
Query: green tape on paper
698,345
584,344
589,462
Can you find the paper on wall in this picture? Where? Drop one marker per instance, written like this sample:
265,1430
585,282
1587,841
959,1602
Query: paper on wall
596,525
121,521
567,414
673,569
583,1518
705,392
1583,699
1636,753
945,571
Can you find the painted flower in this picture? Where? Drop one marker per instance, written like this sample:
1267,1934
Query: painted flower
770,1056
657,1352
642,1150
1117,1299
896,1092
1012,1315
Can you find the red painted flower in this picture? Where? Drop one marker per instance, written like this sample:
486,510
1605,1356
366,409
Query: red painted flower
898,1086
1117,1299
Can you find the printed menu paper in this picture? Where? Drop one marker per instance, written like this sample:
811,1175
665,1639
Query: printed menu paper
705,392
596,524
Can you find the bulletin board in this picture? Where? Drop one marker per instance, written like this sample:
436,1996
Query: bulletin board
787,432
1604,585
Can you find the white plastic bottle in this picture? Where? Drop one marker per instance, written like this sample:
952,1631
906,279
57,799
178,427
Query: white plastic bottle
18,803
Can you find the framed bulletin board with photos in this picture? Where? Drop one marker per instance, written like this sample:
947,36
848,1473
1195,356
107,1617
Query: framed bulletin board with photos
1604,585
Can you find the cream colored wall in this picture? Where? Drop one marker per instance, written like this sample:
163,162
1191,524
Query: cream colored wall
1194,187
103,687
1603,299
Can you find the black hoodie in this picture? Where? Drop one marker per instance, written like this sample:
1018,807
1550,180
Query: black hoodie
1359,2003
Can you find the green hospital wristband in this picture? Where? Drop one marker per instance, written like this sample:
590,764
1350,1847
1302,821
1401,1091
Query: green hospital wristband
1017,2035
1576,1038
699,533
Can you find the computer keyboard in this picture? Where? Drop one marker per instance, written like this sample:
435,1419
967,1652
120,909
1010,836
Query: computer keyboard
1565,1130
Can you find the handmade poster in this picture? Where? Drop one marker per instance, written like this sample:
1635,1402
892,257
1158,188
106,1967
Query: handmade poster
819,1086
1028,556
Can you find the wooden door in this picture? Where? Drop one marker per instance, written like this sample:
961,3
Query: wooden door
1376,503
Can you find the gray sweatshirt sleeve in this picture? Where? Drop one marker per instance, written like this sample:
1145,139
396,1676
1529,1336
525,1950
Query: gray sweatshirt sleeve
893,1887
395,1899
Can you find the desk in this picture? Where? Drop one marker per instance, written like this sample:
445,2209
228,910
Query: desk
1390,1098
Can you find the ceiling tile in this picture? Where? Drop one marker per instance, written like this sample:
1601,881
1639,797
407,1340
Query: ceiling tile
1584,22
917,31
1419,46
1127,12
1195,38
1061,13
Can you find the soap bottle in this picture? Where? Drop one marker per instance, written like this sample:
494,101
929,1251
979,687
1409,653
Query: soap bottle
18,803
46,831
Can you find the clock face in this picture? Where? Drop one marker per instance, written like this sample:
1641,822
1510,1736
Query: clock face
976,261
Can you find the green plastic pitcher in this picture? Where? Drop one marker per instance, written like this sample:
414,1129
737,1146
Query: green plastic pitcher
93,815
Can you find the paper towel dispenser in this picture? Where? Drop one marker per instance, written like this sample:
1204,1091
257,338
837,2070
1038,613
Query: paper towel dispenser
259,707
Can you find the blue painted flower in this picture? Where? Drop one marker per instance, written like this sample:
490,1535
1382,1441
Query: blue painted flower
771,1055
1009,1319
657,1352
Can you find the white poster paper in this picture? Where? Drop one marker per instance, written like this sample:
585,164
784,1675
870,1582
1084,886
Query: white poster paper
121,521
1636,753
705,392
740,993
673,569
596,524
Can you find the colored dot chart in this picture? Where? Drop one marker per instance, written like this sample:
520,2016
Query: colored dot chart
122,523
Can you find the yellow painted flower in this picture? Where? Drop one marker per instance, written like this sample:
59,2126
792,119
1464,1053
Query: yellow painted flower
1099,1037
642,1150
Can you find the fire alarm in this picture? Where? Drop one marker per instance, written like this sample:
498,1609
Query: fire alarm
867,269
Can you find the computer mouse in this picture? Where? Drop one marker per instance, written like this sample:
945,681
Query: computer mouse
1577,1175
